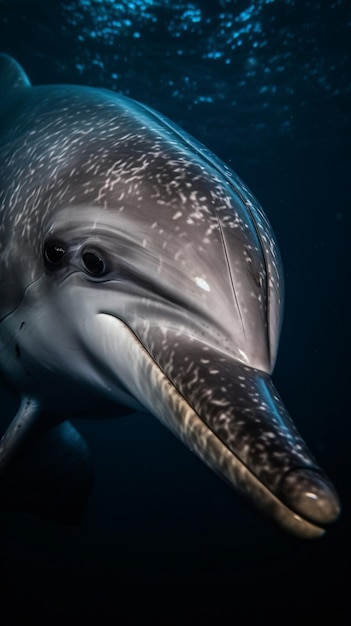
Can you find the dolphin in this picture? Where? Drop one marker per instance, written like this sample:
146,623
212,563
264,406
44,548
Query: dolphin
137,270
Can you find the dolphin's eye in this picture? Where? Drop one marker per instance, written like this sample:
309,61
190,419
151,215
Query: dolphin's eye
54,252
94,263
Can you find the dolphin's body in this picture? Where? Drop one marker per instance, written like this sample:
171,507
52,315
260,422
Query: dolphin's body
136,269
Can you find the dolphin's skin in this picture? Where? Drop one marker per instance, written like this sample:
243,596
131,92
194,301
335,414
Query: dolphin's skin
136,269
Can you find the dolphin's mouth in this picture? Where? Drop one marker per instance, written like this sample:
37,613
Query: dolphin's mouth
230,415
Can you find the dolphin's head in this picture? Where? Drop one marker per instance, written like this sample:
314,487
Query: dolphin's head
147,275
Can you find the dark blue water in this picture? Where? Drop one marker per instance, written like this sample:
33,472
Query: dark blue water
266,86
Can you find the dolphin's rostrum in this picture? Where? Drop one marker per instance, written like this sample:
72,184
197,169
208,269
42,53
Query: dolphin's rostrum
136,269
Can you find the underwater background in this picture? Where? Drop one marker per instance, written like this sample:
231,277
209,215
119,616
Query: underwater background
266,86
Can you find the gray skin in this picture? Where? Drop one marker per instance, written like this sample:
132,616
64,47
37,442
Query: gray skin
136,269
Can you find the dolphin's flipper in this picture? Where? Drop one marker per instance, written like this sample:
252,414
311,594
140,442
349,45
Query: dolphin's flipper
20,431
52,478
45,466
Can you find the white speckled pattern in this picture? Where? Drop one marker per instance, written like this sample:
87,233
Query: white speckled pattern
184,318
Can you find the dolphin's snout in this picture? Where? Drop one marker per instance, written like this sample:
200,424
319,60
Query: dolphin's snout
310,494
232,417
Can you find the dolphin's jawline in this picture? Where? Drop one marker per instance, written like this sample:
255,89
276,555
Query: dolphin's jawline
174,411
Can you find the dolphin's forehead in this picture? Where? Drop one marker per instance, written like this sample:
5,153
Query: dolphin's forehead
69,145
